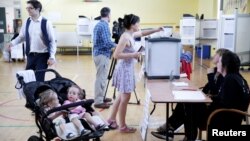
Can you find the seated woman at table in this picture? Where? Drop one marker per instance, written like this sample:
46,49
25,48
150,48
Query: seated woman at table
214,78
233,93
211,89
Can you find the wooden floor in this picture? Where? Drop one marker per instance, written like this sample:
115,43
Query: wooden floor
17,123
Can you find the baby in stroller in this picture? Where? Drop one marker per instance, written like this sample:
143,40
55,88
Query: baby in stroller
33,90
49,100
74,94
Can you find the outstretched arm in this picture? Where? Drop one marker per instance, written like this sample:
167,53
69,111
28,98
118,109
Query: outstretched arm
147,32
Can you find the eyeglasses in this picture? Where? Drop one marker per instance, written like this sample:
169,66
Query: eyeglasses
30,8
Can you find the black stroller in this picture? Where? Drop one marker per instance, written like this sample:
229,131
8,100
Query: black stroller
60,85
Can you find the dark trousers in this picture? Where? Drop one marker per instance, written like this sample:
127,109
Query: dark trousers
192,115
37,61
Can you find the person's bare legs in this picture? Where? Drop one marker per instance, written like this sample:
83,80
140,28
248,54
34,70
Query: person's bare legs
62,127
123,108
115,108
59,121
65,131
89,119
100,116
77,123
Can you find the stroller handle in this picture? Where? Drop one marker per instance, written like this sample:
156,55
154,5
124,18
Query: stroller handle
49,70
21,81
88,102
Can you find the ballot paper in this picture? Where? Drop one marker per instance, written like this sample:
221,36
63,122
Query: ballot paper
180,84
137,45
183,75
188,95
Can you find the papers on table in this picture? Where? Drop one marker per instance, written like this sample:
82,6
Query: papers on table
188,95
180,84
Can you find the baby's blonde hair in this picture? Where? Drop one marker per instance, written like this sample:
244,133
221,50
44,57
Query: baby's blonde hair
46,97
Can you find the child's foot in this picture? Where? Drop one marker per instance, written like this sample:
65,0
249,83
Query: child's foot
70,136
126,129
106,128
100,127
85,132
112,124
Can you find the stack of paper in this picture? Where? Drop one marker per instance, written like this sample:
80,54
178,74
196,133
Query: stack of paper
188,95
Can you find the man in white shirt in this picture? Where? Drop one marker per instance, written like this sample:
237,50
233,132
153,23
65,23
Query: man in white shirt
39,36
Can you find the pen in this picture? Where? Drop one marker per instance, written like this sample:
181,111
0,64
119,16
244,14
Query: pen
189,89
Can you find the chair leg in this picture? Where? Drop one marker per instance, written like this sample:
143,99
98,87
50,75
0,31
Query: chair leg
247,120
200,134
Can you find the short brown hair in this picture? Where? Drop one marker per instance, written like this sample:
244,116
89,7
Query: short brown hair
36,4
221,51
105,11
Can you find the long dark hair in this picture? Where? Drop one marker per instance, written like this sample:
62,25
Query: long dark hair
130,19
231,62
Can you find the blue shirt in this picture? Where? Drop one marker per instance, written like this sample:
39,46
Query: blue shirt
102,39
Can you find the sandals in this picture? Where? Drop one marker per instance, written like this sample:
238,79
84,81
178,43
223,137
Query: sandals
112,124
126,129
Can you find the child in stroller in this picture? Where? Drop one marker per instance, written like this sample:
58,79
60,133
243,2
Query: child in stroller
48,100
59,84
74,94
96,115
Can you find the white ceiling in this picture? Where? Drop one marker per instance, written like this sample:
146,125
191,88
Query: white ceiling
10,3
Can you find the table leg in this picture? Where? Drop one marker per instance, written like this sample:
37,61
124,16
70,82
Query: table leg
193,61
201,55
167,115
77,49
153,109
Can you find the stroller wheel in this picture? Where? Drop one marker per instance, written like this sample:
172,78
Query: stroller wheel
96,139
34,138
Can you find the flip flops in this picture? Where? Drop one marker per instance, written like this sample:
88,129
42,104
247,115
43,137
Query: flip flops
126,129
112,124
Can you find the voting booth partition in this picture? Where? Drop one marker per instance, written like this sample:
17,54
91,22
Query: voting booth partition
234,35
162,58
